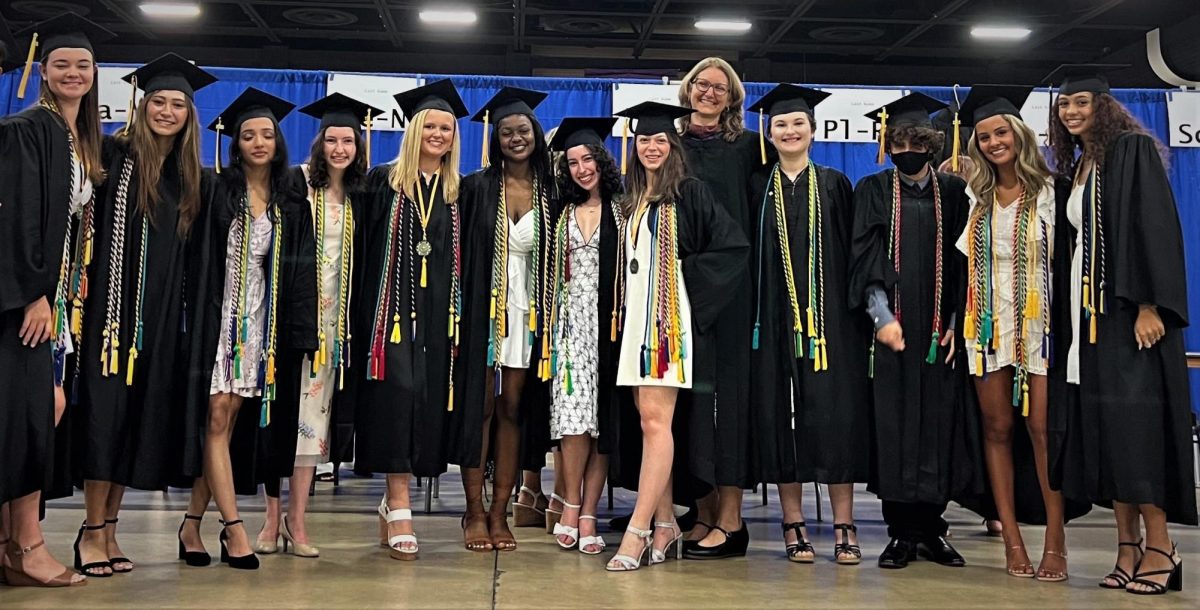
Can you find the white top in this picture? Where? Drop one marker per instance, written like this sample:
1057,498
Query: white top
79,198
1075,217
522,239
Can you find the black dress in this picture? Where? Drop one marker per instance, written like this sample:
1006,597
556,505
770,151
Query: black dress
255,456
1124,433
401,396
809,426
924,430
128,434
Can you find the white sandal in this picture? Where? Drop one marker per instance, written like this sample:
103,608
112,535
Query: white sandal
553,516
586,541
625,563
395,543
527,515
567,530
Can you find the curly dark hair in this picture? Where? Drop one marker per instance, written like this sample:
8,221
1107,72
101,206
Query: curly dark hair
1110,120
610,176
917,136
318,167
281,180
539,159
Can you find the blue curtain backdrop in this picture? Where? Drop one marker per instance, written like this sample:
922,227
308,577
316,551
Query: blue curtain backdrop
593,97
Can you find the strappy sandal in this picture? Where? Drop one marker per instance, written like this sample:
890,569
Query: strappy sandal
15,575
802,550
657,556
566,530
1118,574
1020,570
479,544
86,568
586,541
502,543
528,515
553,516
395,544
626,563
1174,581
844,553
1044,575
115,561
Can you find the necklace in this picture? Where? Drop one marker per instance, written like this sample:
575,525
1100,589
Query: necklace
424,212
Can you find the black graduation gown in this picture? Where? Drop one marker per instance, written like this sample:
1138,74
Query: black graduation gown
726,167
480,196
713,252
129,435
401,421
823,439
35,185
1124,433
256,457
925,431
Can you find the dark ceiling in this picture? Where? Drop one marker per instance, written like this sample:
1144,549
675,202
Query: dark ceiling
817,41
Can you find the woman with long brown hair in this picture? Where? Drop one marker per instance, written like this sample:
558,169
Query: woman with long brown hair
51,155
1121,430
126,434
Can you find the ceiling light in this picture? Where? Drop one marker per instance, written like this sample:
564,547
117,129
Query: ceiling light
448,17
999,32
734,26
171,10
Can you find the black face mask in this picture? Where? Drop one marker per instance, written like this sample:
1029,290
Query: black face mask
909,162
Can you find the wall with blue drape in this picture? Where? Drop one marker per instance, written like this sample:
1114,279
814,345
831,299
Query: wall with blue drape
592,97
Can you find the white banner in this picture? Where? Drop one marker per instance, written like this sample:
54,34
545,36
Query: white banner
1036,114
377,91
114,94
626,95
842,116
1183,114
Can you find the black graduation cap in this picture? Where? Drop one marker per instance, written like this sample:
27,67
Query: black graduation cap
8,48
1079,78
439,95
337,110
509,101
251,104
912,109
986,101
67,31
786,98
654,117
170,72
574,131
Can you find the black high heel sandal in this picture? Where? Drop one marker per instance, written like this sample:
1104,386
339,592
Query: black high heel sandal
241,562
1118,574
802,545
116,560
195,559
1174,581
843,548
85,568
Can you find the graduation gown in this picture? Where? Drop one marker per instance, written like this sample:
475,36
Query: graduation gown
713,252
1123,434
35,190
726,167
925,432
129,434
401,421
808,426
256,454
480,196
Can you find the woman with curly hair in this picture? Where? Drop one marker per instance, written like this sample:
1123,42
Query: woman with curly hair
1121,426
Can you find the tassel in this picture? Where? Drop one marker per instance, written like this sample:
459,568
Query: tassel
883,117
1016,388
491,352
546,346
1025,399
265,419
450,400
271,367
450,325
933,345
1087,293
237,362
612,336
133,354
812,354
969,330
395,338
1092,329
625,149
220,126
114,359
132,103
871,362
1033,305
368,123
754,343
679,373
799,344
492,307
824,355
812,327
978,362
424,271
957,145
76,318
104,355
762,140
33,43
483,156
570,385
645,363
1102,298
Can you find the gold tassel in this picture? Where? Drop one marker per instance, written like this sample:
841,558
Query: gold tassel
368,122
424,271
812,328
133,354
1033,305
319,360
395,328
492,307
978,362
271,368
132,103
762,140
33,43
969,326
883,116
77,318
1025,399
624,146
450,400
546,347
612,335
450,326
114,359
532,317
824,355
483,156
220,126
1092,328
1087,293
956,148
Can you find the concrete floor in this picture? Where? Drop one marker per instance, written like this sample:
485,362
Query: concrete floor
353,572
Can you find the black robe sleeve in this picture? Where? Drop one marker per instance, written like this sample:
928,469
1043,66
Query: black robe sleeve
870,261
713,251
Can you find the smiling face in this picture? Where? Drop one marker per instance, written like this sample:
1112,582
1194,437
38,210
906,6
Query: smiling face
1076,112
997,140
584,170
516,137
437,133
69,73
167,112
653,150
792,133
709,92
339,146
256,141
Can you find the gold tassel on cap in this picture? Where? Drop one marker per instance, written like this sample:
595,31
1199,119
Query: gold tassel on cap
368,138
132,102
624,146
762,140
483,157
883,116
956,147
28,67
220,126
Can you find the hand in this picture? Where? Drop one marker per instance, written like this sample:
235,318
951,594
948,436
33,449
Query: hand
891,335
1148,329
36,328
948,340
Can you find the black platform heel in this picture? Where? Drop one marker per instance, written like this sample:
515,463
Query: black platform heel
845,553
243,562
1174,581
1118,574
195,559
85,568
116,560
802,544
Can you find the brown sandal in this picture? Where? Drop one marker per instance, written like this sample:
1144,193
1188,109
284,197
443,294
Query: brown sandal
1044,575
16,576
477,544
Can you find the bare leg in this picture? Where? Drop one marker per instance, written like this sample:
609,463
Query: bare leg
791,497
506,453
92,548
269,534
575,450
197,506
995,405
475,527
841,496
218,471
593,487
707,510
1129,529
1157,537
26,531
116,494
656,405
302,477
397,497
729,515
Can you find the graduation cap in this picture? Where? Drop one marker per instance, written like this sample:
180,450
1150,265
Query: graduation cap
987,101
170,72
507,102
438,95
1079,78
338,110
652,118
912,109
785,98
66,31
8,48
576,131
251,104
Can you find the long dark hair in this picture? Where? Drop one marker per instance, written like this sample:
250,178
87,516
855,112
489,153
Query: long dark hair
539,159
87,126
149,160
1110,120
281,181
672,174
318,166
610,176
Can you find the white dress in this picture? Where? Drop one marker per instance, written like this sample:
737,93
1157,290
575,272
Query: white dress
1075,217
79,198
224,379
515,348
636,329
574,413
1004,219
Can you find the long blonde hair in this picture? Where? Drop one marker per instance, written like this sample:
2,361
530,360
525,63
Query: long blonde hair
732,119
406,168
1031,167
149,160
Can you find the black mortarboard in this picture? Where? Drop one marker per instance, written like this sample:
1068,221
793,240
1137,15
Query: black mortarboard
251,104
654,117
337,110
8,48
67,31
438,95
912,109
574,131
1079,78
986,101
509,101
786,98
170,72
